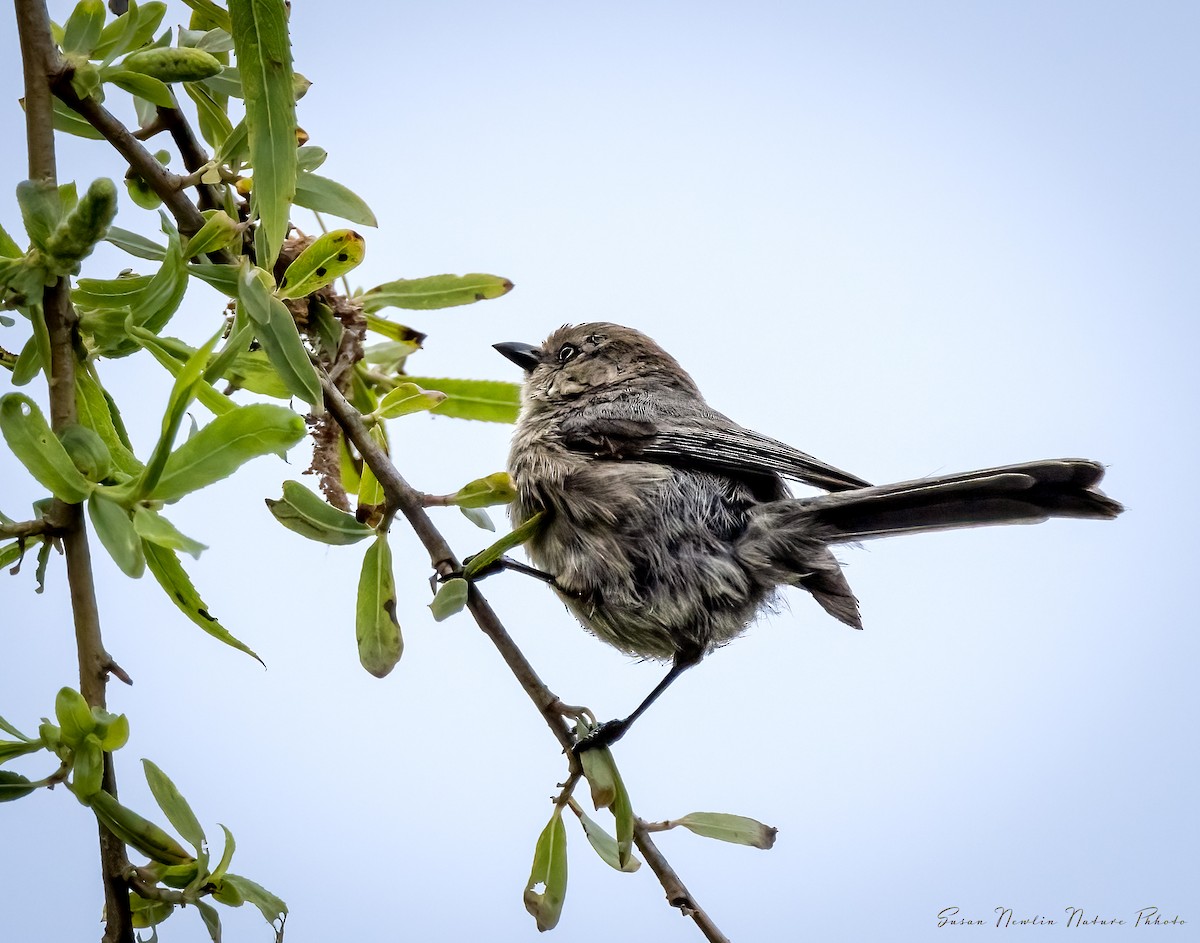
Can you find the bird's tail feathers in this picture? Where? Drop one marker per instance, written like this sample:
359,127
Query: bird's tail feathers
788,541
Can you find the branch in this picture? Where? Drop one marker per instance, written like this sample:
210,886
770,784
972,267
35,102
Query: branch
23,530
190,149
402,497
677,894
41,61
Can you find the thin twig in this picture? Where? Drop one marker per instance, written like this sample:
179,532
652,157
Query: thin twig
403,498
194,156
23,530
677,894
41,62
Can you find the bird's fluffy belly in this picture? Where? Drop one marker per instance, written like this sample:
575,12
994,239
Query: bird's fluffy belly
595,546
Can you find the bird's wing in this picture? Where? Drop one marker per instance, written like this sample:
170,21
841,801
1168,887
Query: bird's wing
688,434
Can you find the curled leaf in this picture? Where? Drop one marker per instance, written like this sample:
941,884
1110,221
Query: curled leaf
451,598
493,489
546,888
407,398
375,624
739,829
307,514
37,448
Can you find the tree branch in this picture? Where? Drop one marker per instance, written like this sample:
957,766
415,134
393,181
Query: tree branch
23,530
41,61
677,894
191,150
402,497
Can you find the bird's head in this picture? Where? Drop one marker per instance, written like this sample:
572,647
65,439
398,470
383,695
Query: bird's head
579,358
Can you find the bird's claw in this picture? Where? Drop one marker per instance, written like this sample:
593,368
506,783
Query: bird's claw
605,735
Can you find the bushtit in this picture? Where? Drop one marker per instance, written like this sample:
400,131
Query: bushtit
669,526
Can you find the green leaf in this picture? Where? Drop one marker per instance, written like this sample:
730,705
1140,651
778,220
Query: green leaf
304,512
235,149
310,157
13,786
163,349
479,517
174,806
29,362
87,768
451,598
370,491
497,488
144,86
212,14
137,832
436,291
375,625
264,57
94,410
218,231
8,247
135,244
549,873
215,124
69,122
738,829
74,716
181,396
82,31
226,857
400,333
13,731
608,792
117,533
323,195
212,920
155,306
112,729
165,566
407,398
130,30
38,449
329,257
604,844
41,209
9,749
224,445
515,538
276,330
270,906
110,294
224,278
145,914
486,400
152,526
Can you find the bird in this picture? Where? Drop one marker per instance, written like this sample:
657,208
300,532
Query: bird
667,527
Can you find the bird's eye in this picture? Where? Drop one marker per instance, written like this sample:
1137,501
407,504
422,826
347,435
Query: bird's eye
566,352
594,339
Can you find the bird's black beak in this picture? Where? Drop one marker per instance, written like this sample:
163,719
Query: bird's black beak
524,356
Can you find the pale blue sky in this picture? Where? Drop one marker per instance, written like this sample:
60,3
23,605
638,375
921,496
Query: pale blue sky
907,238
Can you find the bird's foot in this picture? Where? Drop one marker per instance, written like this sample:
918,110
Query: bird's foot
605,735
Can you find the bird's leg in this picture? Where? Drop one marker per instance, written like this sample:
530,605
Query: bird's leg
500,563
611,731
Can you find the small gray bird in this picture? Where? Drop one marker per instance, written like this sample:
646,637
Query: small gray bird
669,526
